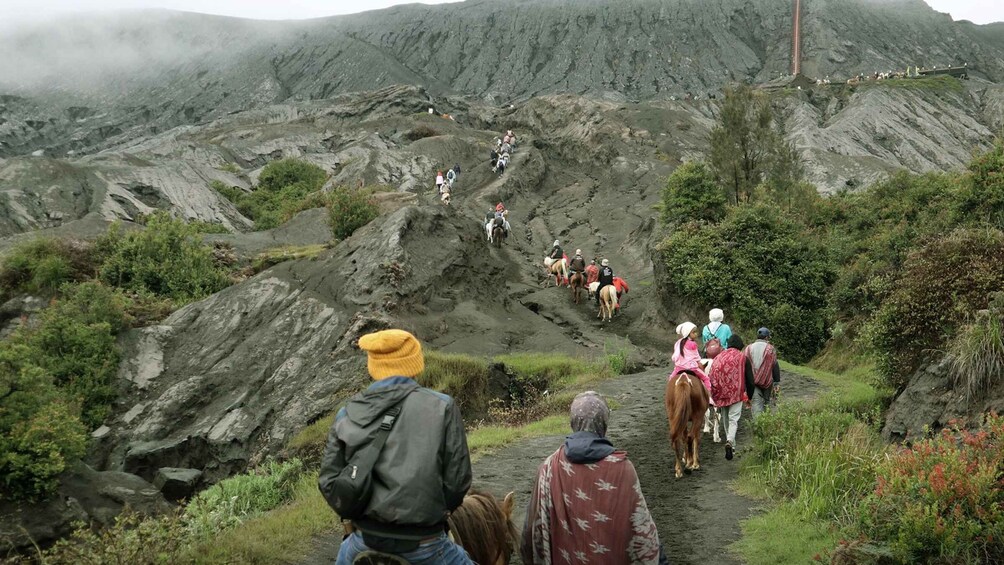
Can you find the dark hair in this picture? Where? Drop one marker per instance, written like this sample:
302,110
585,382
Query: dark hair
735,342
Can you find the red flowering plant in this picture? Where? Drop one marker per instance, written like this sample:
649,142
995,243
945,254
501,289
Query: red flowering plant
942,499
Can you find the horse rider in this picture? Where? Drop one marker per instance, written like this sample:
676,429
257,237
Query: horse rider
587,499
577,264
556,254
592,273
451,177
606,278
500,217
489,221
686,356
422,467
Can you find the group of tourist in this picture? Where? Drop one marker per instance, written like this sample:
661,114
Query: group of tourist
499,154
733,373
407,443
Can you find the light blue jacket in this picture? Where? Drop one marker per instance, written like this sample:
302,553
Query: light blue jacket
723,333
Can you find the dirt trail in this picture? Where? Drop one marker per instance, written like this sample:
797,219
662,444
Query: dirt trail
698,516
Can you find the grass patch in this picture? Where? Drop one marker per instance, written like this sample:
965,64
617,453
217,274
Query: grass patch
278,536
938,83
274,256
783,535
484,440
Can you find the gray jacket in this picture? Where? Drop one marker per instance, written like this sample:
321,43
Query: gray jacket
424,470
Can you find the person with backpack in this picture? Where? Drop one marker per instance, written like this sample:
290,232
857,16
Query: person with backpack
731,377
766,371
716,334
396,462
587,500
451,177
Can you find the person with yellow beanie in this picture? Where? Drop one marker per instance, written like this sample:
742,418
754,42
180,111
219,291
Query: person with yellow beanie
423,469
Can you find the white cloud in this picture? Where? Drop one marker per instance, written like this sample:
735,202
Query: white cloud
976,11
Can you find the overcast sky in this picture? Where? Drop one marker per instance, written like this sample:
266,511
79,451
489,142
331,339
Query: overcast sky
979,11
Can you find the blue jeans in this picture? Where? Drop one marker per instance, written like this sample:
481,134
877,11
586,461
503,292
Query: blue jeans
440,551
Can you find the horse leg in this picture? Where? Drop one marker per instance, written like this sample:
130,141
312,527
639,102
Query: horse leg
716,420
681,454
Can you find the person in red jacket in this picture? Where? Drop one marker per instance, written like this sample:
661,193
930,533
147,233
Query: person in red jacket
592,273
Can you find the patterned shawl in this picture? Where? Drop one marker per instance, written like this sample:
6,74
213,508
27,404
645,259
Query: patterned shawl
727,378
589,514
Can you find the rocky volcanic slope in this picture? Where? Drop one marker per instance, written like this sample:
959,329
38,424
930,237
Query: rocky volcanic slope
93,83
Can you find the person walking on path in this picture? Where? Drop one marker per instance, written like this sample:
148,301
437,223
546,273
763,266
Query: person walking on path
423,469
731,377
716,334
587,505
766,371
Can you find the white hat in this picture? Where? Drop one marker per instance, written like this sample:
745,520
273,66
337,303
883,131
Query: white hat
685,328
716,315
556,243
604,262
578,252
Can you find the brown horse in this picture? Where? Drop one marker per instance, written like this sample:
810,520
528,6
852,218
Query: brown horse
482,526
498,235
577,282
686,402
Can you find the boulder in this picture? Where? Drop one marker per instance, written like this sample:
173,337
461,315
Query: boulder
84,495
176,484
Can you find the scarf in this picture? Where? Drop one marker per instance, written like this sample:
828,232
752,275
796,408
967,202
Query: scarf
727,379
588,514
762,356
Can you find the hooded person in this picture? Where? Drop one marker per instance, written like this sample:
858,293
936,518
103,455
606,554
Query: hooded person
731,377
422,472
555,254
587,499
715,331
592,273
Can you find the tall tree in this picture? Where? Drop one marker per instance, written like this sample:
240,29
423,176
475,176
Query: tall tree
744,142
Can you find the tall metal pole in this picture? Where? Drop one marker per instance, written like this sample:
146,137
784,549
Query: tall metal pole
796,47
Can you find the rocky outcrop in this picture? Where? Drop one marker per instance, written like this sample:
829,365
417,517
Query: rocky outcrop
930,402
84,495
228,379
177,484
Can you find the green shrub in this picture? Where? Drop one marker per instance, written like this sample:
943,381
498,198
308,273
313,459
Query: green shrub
134,539
821,459
234,500
349,210
982,194
977,353
691,194
939,286
44,265
463,377
942,500
39,433
763,268
284,188
166,259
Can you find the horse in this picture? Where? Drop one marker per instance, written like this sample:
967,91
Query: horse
577,282
686,402
608,302
482,526
498,234
592,288
445,194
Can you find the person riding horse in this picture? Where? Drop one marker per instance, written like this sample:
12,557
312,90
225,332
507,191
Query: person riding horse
606,278
592,273
577,264
497,216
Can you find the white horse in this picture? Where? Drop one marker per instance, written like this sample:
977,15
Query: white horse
608,302
712,418
445,194
558,268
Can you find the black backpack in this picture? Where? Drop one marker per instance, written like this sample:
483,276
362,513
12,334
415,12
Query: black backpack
351,490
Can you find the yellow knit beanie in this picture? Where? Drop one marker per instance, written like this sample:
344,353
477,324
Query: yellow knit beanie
392,353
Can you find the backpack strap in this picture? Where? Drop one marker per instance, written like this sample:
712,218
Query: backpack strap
365,465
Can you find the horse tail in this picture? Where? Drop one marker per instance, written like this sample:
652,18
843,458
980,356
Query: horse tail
683,408
485,531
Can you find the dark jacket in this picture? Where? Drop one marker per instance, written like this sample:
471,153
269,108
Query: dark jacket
556,253
578,264
606,276
748,377
424,470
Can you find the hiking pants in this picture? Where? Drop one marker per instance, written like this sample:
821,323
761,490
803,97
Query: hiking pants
761,399
730,415
440,551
